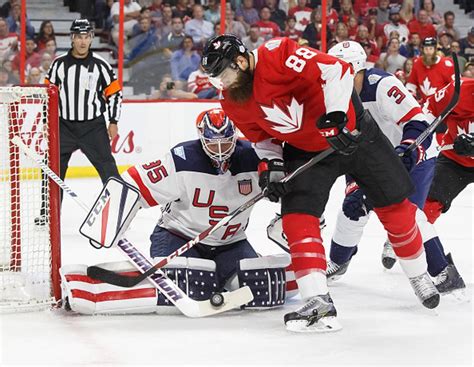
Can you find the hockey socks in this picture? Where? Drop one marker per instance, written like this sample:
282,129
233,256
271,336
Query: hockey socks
435,256
341,254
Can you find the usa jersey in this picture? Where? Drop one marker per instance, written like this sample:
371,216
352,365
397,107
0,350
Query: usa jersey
293,87
391,105
428,79
193,195
459,121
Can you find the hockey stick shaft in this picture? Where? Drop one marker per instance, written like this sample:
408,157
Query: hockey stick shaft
130,281
434,125
171,291
445,147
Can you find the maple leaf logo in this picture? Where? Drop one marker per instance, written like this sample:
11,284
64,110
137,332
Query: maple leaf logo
285,123
426,87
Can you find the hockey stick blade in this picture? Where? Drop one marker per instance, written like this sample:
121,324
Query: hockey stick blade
131,281
452,103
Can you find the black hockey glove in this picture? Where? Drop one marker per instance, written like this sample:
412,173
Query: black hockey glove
333,127
269,173
356,204
464,144
409,160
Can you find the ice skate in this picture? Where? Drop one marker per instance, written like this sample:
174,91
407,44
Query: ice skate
449,280
317,315
335,271
425,290
388,256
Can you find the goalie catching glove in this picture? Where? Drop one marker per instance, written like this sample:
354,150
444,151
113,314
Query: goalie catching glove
270,172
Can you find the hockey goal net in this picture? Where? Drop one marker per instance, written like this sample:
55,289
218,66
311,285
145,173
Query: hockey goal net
29,202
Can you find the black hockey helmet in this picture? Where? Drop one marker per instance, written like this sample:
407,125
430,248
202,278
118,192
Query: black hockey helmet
429,41
220,52
80,26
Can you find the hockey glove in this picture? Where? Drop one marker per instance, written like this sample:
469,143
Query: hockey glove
269,173
355,203
333,127
464,144
409,160
411,131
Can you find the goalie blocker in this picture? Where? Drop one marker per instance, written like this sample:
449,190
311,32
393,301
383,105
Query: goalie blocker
196,277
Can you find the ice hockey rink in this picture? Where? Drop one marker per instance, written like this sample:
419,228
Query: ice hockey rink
383,322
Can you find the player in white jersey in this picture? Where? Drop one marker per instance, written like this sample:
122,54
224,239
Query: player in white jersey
401,119
196,183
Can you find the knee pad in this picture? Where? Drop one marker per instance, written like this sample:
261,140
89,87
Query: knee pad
266,278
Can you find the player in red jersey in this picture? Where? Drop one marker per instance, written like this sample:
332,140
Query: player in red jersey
454,168
430,72
297,95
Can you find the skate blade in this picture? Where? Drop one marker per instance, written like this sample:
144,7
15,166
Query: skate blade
325,325
458,295
333,279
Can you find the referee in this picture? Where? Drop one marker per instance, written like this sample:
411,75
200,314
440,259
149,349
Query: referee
89,95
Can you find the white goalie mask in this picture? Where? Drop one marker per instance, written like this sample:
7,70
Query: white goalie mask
218,136
351,52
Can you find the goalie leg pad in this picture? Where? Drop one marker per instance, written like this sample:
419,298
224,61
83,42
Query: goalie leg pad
266,278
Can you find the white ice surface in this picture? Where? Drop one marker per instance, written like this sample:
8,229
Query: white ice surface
383,323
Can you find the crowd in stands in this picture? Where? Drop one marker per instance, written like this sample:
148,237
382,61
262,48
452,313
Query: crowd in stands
163,39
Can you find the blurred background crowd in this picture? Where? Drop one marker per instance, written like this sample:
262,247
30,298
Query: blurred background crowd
163,39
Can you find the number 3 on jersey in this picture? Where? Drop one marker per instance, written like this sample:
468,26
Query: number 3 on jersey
296,63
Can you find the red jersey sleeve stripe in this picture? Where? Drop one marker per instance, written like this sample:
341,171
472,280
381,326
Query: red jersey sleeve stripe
414,111
132,171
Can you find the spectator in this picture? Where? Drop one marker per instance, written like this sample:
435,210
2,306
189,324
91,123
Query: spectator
233,26
247,13
144,13
291,31
407,68
4,77
144,42
448,25
413,47
434,16
183,10
253,40
469,70
199,28
406,12
361,7
185,60
362,36
6,7
213,13
375,28
8,40
342,33
268,29
173,40
46,61
156,14
14,22
456,48
371,59
332,16
46,33
302,13
170,89
34,76
422,25
50,48
33,58
199,84
102,18
346,11
444,43
131,11
12,79
312,32
382,11
467,45
277,16
392,60
352,26
400,75
165,26
395,24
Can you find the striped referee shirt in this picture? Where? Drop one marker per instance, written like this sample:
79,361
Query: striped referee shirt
87,87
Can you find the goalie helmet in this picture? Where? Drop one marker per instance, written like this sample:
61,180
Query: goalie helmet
351,52
218,136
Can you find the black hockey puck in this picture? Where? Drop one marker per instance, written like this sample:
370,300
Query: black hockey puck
217,300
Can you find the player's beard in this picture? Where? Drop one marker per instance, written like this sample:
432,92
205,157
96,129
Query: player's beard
242,89
429,60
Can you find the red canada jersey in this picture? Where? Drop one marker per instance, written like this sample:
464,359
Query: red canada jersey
293,87
459,121
428,79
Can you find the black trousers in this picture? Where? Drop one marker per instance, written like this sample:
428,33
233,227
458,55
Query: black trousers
374,166
92,139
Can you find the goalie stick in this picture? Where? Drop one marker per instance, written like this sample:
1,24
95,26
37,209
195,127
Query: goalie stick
454,101
189,307
121,280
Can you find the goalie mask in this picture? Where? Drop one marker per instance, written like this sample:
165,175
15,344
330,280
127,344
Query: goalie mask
218,136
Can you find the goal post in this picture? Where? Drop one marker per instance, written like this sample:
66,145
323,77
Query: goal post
30,203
